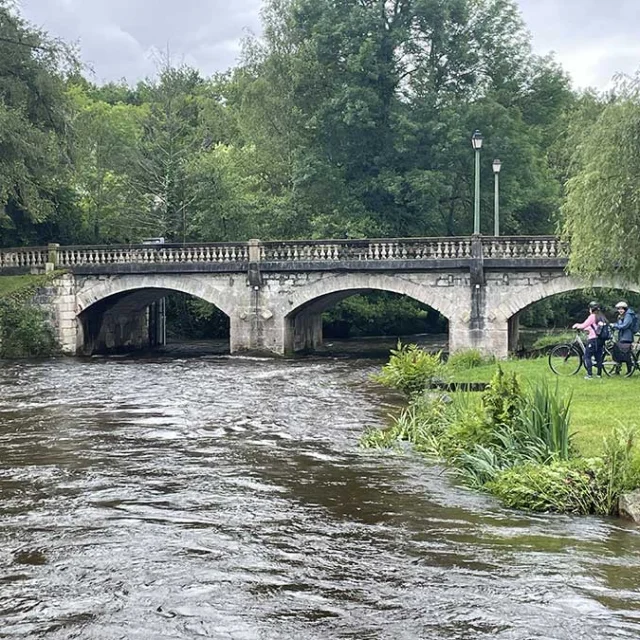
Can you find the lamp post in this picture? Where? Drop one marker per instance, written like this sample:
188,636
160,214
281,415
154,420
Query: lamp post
497,165
476,142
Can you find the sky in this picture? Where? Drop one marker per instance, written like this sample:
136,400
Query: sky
125,39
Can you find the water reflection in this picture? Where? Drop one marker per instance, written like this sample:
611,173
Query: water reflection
227,498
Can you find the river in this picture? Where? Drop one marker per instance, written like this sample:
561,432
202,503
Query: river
224,497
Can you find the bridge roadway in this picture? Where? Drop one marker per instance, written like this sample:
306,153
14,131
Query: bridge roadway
106,298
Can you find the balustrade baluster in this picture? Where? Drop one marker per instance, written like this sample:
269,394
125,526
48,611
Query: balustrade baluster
545,248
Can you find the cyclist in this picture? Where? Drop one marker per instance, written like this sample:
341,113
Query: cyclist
595,347
624,326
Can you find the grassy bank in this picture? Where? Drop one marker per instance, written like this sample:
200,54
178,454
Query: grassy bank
21,287
534,440
597,407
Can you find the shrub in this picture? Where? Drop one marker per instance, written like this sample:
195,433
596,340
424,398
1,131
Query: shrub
619,469
551,339
410,369
503,398
563,487
24,331
468,359
591,486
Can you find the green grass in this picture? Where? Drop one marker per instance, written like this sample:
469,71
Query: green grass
598,406
22,288
13,284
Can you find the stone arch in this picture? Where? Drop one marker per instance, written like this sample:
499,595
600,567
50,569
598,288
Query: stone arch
93,291
302,314
125,313
441,299
562,284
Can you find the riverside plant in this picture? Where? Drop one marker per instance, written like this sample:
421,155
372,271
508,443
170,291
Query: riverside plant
24,331
411,370
515,441
468,359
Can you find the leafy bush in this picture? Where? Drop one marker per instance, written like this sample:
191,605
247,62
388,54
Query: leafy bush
619,471
24,331
551,340
503,398
468,359
410,369
563,487
592,486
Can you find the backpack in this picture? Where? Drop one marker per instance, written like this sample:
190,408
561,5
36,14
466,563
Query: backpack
603,331
634,321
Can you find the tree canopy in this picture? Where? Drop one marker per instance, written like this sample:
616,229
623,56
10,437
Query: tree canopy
602,207
346,118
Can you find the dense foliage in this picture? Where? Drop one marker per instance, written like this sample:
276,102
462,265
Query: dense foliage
410,369
603,195
24,328
345,119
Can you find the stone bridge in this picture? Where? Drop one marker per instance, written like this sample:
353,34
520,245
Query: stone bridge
274,293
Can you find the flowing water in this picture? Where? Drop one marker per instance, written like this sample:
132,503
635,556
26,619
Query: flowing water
218,497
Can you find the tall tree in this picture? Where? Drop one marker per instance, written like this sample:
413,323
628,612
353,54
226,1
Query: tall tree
33,123
375,101
602,208
106,141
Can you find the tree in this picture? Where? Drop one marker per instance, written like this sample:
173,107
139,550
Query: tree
602,208
106,138
374,102
34,114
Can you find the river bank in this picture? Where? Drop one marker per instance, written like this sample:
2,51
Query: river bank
597,405
516,439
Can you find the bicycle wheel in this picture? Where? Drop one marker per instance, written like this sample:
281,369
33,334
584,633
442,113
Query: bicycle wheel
565,360
634,362
614,368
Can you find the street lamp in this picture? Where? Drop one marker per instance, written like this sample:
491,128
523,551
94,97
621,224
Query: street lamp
497,165
476,142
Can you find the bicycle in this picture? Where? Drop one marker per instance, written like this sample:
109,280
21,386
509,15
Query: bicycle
568,358
634,353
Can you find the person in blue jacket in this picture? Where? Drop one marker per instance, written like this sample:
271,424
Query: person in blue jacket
624,326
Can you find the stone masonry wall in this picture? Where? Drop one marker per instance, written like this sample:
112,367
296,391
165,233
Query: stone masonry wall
278,312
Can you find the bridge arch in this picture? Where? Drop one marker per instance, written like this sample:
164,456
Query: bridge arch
94,290
122,313
304,308
563,284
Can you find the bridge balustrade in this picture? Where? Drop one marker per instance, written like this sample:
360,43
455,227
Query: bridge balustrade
27,257
319,251
361,250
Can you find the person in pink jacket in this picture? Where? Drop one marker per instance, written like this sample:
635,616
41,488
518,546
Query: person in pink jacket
595,346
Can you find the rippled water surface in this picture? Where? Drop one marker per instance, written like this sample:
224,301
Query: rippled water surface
228,498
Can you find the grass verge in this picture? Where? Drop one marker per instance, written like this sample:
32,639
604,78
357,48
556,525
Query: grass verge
597,408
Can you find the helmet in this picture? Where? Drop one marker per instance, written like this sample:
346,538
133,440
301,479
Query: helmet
622,305
594,305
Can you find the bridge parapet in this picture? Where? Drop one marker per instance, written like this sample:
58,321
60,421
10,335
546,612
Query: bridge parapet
147,254
517,247
239,254
24,258
367,250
